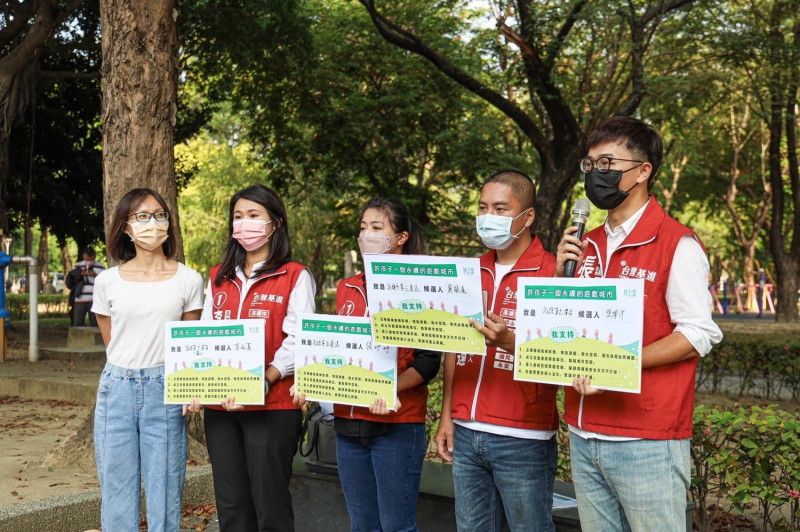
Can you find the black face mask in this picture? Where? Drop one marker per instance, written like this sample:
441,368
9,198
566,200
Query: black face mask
601,188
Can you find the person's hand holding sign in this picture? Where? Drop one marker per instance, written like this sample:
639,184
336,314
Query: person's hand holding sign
583,385
495,331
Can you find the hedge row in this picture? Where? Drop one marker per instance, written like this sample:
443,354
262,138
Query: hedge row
753,369
50,305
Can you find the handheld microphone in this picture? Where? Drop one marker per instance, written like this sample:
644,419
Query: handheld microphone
580,213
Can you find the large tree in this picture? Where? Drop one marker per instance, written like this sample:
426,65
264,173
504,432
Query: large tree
55,174
27,26
777,25
761,46
565,67
140,77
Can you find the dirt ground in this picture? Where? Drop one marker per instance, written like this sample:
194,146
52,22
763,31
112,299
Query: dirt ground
47,445
31,466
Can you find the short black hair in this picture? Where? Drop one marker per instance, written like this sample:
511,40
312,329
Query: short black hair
522,186
90,252
641,139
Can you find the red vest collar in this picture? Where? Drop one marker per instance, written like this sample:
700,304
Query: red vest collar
530,260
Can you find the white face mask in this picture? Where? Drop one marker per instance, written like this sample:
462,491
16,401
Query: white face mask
495,231
373,243
149,235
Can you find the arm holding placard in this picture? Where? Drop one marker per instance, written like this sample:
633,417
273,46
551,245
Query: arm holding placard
419,373
446,430
194,405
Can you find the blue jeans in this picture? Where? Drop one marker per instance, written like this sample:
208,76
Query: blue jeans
631,485
380,477
502,478
136,435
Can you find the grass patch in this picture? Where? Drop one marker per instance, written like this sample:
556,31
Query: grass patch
759,331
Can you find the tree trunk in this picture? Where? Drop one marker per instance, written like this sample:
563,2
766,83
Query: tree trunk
555,184
42,257
140,77
786,260
66,261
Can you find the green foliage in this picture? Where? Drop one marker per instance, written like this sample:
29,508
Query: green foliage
435,390
50,306
57,149
745,457
221,164
752,368
336,116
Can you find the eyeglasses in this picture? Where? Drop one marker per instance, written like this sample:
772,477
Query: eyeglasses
160,216
603,164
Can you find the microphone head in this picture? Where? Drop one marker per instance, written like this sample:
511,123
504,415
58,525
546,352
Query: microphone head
581,210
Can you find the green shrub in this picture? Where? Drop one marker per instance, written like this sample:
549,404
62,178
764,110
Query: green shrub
752,368
50,305
747,457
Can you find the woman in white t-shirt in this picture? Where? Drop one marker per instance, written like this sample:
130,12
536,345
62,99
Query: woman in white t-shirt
136,435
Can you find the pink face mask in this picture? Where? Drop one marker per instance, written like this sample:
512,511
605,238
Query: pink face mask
251,234
374,243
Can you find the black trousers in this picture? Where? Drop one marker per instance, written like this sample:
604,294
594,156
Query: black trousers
80,311
251,459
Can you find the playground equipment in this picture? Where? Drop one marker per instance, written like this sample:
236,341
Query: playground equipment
739,293
33,288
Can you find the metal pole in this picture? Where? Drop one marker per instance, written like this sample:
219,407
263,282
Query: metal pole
33,288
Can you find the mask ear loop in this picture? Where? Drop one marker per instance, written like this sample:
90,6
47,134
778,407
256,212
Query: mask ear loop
391,247
523,227
634,185
272,233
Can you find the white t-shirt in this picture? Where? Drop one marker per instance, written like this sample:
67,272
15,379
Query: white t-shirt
139,310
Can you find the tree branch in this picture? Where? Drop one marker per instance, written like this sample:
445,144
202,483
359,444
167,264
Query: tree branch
408,41
638,26
19,21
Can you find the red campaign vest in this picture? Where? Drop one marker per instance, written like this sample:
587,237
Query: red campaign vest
351,300
267,298
664,408
484,388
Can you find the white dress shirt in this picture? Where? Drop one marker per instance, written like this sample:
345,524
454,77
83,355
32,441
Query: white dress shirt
301,299
688,299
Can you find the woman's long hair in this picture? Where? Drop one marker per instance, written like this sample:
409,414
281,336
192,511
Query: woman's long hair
280,248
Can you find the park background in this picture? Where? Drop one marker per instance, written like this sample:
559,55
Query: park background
331,102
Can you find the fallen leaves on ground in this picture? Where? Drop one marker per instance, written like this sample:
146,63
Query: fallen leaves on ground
194,517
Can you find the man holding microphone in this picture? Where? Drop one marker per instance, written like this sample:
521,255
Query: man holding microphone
630,453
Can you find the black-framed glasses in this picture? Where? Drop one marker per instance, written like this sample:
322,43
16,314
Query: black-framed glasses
603,164
160,216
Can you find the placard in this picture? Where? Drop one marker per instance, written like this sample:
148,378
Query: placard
214,359
569,328
337,361
425,302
